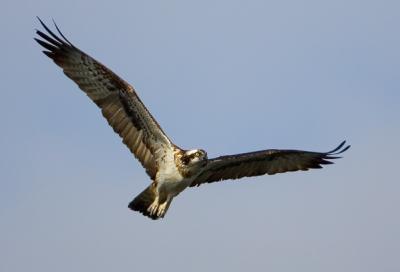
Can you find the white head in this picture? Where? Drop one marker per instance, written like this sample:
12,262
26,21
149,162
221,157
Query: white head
192,157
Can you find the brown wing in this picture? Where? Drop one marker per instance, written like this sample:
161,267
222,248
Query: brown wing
118,101
265,162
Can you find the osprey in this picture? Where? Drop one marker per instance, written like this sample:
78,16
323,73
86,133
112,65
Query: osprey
170,168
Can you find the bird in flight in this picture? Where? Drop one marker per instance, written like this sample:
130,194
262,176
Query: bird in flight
170,168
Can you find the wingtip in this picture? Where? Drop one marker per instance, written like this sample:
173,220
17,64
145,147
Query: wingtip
41,22
346,148
339,149
59,31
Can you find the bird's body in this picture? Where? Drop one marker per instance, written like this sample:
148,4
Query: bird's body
174,175
170,168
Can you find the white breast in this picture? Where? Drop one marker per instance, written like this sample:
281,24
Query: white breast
169,178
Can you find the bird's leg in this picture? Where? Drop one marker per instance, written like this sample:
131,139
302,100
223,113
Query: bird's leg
152,209
162,208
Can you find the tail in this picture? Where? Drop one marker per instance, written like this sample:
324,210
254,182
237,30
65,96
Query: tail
142,202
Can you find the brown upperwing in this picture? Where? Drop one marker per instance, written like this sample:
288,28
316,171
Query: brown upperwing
265,162
118,101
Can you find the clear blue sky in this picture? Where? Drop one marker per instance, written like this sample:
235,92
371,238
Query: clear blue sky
226,76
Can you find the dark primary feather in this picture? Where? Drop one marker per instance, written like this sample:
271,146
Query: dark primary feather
118,101
269,162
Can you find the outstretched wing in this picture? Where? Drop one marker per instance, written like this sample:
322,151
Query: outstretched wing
117,100
265,162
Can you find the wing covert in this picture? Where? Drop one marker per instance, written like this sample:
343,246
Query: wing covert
269,162
118,101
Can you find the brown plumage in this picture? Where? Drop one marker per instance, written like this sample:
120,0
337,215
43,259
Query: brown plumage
170,168
269,162
117,100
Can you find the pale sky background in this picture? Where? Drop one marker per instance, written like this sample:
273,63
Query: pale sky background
226,76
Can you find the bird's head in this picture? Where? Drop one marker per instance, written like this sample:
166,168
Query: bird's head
192,157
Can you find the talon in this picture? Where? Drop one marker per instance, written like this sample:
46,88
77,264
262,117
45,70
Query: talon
152,209
163,208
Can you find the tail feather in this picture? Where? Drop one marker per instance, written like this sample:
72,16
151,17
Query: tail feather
142,202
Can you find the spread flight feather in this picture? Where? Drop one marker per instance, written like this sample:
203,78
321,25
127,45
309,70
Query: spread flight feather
170,168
